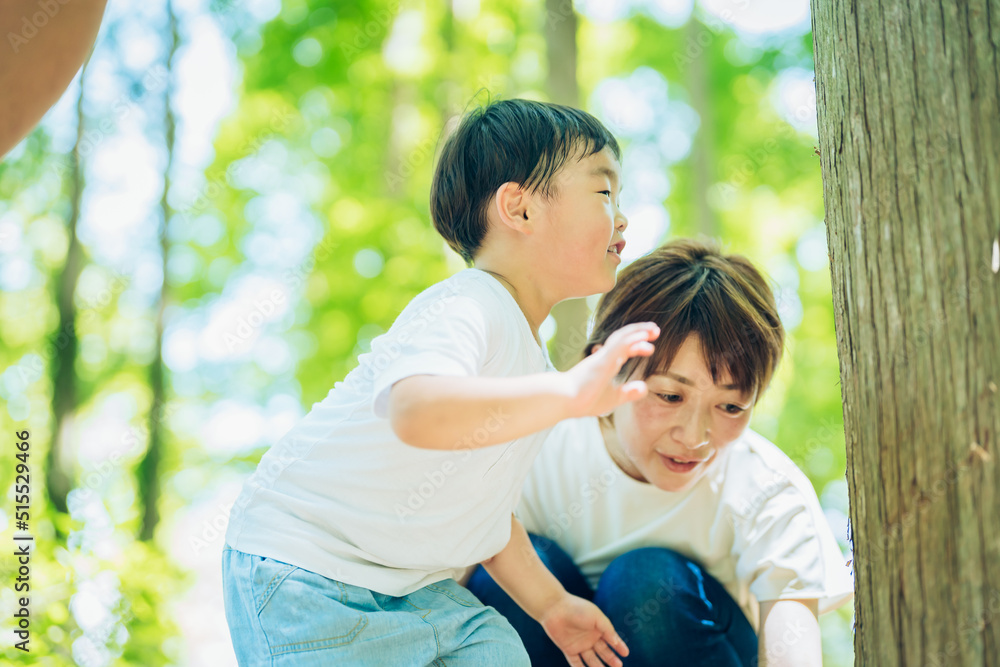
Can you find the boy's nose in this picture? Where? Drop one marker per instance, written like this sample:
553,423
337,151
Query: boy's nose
621,222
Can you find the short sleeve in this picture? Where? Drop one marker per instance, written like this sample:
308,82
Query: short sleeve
446,336
787,551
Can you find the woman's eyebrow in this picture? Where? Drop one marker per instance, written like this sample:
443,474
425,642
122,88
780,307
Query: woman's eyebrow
684,380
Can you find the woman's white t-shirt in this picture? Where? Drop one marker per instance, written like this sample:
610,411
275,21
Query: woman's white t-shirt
342,496
753,520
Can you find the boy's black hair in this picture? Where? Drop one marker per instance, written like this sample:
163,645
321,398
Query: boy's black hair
516,140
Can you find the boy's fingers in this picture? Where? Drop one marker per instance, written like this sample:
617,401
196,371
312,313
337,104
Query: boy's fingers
609,635
641,348
607,655
636,348
633,391
630,337
638,330
616,643
641,326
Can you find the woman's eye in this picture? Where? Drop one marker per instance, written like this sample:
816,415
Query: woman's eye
670,398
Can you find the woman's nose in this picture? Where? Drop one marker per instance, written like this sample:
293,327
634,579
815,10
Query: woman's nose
693,429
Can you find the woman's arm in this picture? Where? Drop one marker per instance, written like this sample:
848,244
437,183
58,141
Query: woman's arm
580,630
788,635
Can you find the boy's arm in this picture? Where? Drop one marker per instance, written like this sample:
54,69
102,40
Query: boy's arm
447,412
789,634
575,625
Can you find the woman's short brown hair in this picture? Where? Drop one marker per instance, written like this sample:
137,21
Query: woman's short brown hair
689,287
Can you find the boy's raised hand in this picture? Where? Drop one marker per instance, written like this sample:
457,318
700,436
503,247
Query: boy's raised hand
592,386
583,633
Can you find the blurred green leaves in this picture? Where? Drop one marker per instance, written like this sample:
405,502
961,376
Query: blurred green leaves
315,185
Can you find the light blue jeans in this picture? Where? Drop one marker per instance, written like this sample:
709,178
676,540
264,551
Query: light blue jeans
281,615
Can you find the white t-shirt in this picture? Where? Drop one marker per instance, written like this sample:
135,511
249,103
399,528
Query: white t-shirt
342,496
752,521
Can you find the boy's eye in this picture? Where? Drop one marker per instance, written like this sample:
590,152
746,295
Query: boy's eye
670,398
733,409
605,192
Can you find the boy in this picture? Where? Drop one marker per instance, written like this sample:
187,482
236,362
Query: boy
344,544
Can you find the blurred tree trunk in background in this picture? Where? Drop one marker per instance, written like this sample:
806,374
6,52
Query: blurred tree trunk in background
148,471
571,315
699,39
560,49
58,471
909,136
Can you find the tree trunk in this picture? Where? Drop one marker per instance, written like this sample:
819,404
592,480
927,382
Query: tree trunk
571,315
148,471
58,477
699,39
909,137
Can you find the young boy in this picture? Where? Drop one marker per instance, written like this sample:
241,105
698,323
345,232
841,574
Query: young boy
344,544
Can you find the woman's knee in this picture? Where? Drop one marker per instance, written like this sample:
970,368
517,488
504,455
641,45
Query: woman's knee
659,600
651,565
656,583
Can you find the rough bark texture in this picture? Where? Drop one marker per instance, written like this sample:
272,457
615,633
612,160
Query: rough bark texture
909,137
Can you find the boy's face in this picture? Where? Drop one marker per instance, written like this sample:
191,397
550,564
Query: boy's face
685,417
578,230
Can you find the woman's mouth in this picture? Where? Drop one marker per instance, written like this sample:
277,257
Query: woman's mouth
680,465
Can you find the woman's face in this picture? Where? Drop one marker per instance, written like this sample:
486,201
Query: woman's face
671,436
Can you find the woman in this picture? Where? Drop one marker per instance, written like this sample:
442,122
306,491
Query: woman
699,539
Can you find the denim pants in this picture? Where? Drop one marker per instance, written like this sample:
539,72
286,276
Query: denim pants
666,608
282,615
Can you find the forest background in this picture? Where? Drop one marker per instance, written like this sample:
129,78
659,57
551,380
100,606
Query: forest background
231,201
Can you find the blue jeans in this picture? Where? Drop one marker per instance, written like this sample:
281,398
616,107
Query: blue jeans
282,615
666,608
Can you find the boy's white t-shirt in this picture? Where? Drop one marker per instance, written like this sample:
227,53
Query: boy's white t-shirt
753,520
342,496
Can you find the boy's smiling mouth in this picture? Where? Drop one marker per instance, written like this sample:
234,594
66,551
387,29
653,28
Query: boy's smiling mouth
616,248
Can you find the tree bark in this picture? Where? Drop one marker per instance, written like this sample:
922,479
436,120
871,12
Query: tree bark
909,138
571,316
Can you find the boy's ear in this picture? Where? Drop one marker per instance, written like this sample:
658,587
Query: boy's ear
512,207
